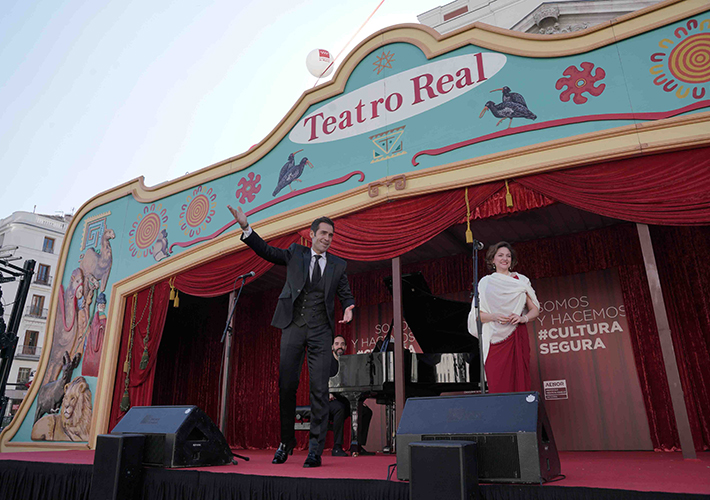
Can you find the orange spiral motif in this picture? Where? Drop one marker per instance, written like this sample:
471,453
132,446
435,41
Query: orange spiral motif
690,59
147,230
197,211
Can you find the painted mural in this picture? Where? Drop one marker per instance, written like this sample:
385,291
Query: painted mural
398,113
63,405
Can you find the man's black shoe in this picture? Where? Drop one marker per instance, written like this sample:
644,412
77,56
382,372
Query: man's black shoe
339,452
283,452
363,452
312,460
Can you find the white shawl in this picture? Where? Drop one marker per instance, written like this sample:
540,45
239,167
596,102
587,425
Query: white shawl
502,294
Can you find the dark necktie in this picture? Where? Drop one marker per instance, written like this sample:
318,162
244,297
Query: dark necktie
316,270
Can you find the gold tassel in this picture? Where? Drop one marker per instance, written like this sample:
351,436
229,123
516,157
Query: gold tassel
171,282
508,196
469,233
176,302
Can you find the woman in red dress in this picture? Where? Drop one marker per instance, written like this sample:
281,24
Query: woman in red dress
507,303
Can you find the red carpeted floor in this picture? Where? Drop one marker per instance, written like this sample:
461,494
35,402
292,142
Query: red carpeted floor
640,471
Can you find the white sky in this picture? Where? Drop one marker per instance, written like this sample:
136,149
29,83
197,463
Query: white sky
95,93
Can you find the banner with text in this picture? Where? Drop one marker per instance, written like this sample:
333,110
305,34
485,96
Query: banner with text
582,364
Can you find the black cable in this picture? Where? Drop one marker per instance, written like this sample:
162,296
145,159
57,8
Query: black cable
559,477
390,471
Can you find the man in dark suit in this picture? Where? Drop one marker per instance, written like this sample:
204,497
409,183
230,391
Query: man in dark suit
306,315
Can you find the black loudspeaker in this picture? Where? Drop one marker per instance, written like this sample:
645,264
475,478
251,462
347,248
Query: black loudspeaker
512,433
176,436
443,469
117,473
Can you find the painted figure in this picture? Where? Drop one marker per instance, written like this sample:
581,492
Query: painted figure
95,339
99,264
73,421
291,172
65,325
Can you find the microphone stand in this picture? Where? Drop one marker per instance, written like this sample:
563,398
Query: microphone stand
227,362
479,325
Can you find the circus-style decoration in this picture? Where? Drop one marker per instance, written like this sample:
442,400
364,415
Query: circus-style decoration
94,228
404,79
291,172
579,82
383,61
249,187
388,144
684,62
513,106
150,226
197,211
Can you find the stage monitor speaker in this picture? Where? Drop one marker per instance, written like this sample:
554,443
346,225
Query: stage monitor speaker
443,469
118,472
512,433
176,436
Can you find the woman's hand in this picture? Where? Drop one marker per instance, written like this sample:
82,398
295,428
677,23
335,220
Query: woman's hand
516,319
500,318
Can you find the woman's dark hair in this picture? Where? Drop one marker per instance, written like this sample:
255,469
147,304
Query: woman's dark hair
493,250
316,223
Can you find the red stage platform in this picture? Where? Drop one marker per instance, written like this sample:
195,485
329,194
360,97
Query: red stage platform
588,475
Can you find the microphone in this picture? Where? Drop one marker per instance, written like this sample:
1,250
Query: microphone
247,275
478,244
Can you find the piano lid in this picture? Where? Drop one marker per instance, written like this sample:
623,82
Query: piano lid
439,325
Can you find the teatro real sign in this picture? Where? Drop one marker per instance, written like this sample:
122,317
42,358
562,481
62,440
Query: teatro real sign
396,98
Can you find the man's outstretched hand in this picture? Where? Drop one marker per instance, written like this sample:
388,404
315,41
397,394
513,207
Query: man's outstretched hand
240,216
347,315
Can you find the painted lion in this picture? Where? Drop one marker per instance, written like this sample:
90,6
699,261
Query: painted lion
73,421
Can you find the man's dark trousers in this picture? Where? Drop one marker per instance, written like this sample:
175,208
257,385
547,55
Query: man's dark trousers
311,331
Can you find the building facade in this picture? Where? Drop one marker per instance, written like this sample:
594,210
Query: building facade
37,237
529,16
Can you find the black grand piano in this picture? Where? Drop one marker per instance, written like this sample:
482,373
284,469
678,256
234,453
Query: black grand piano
448,362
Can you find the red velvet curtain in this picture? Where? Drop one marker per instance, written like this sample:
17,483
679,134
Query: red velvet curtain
218,277
396,227
189,360
682,257
150,313
665,189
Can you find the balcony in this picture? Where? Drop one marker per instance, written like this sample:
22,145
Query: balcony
43,280
36,312
28,352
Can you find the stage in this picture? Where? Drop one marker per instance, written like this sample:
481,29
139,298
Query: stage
609,475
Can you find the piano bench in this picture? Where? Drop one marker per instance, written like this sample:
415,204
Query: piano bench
303,419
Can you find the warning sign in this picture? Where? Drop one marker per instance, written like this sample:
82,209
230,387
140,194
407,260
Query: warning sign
555,389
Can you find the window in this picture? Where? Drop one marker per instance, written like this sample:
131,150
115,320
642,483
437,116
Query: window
23,375
29,346
48,245
43,274
37,305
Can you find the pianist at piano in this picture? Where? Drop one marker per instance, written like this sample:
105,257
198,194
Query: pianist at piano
339,408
